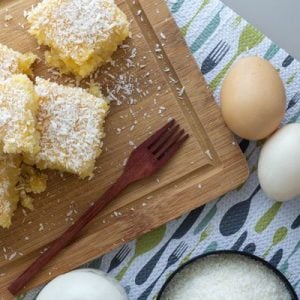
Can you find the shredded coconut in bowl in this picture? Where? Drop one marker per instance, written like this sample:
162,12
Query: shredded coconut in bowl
226,277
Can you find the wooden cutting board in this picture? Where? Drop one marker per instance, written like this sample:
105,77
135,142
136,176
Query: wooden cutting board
154,72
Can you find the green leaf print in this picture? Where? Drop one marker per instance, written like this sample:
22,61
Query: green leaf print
237,21
292,78
249,38
186,27
267,218
279,235
143,245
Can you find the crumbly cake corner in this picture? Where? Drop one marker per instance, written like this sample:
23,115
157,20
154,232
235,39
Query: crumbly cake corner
14,62
9,194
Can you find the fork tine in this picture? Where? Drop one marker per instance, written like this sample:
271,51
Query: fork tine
163,139
124,254
180,249
183,250
172,150
212,53
173,139
176,250
221,46
222,54
154,137
125,249
120,252
185,247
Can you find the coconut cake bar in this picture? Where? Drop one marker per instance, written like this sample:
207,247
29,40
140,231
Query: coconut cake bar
81,34
18,110
71,124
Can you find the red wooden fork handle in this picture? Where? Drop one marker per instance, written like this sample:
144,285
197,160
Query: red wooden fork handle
66,238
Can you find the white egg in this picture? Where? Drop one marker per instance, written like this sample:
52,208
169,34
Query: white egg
279,164
83,284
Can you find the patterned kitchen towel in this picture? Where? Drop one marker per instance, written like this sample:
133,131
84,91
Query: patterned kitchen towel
244,219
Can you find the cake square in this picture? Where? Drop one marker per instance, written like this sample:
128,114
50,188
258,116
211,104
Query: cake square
9,194
71,124
18,110
82,34
13,62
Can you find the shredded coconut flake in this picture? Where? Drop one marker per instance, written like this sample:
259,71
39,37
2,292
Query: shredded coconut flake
8,17
208,153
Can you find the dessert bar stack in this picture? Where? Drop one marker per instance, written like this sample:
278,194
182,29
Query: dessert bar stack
45,125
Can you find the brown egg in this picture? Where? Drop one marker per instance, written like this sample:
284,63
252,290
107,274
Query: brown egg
253,98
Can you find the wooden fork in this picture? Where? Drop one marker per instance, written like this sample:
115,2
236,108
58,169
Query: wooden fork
144,161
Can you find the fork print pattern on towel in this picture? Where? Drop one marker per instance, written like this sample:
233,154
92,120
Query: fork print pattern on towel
244,219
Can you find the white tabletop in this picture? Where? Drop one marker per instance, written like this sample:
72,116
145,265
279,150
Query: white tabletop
278,19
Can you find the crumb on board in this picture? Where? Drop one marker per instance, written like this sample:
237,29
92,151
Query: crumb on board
181,91
41,227
125,162
12,256
208,153
131,143
163,36
8,17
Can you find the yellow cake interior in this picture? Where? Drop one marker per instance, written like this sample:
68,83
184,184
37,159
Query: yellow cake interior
25,63
9,194
95,59
31,181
